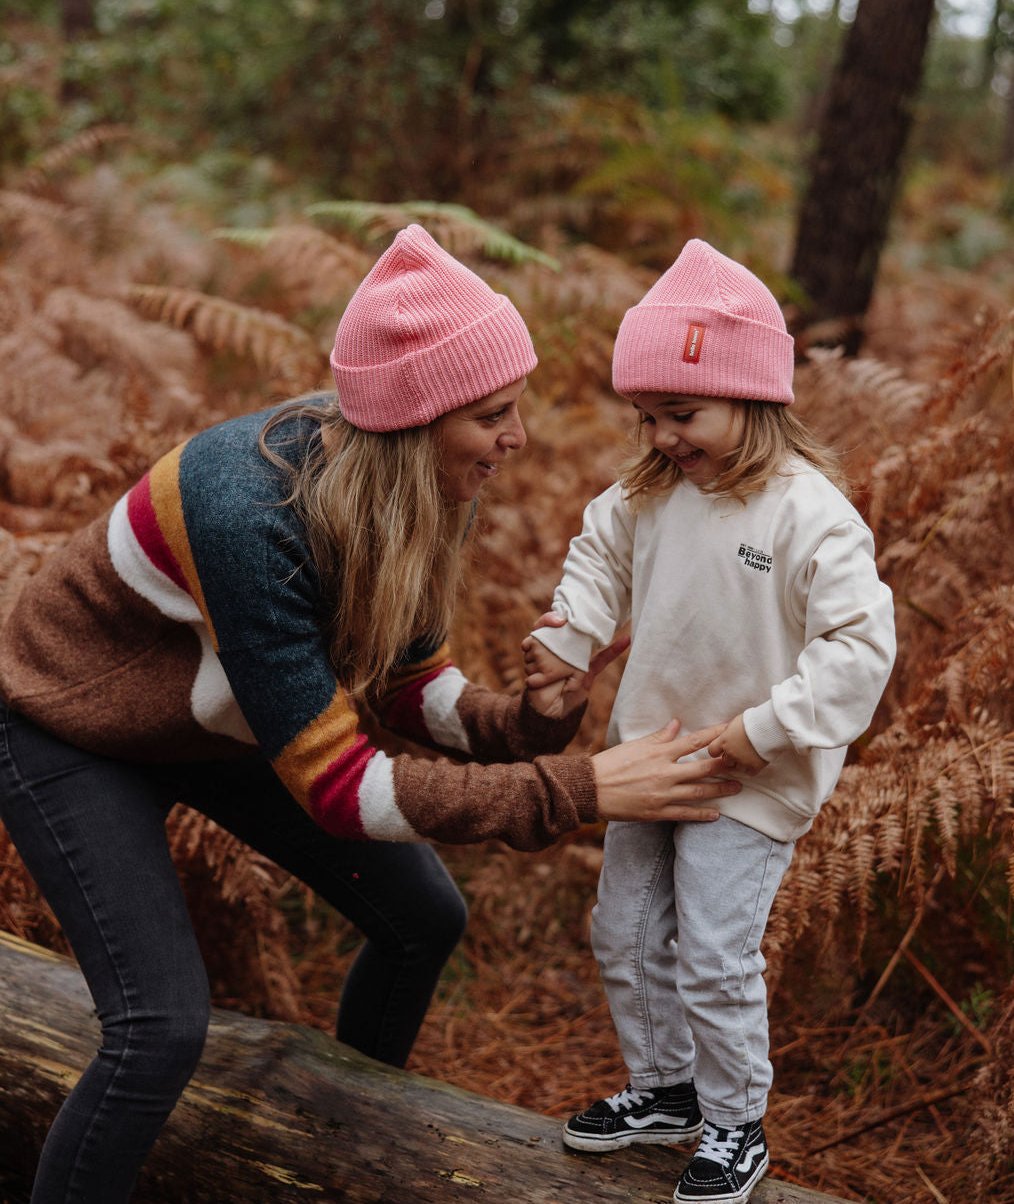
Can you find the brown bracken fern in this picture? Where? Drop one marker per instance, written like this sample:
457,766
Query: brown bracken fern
46,169
889,945
277,347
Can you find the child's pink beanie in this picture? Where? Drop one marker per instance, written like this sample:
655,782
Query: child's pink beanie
707,327
423,335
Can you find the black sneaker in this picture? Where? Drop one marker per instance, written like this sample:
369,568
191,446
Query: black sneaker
728,1165
656,1114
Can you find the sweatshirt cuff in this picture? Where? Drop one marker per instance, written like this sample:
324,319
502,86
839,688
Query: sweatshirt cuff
764,731
566,643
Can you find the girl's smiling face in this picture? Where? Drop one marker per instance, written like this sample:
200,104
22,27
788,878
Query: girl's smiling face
696,433
476,439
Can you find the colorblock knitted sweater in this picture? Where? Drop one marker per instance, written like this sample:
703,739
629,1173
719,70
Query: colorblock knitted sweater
187,625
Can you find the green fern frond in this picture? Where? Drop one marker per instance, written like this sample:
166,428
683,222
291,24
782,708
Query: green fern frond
492,242
456,227
364,219
300,246
248,236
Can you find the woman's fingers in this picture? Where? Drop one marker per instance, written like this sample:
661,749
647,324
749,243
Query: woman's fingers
688,742
645,779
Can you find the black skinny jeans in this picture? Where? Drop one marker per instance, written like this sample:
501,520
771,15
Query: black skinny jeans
92,833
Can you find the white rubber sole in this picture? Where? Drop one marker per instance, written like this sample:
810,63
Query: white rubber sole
740,1197
602,1145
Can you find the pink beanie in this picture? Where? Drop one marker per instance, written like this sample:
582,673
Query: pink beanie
423,335
708,328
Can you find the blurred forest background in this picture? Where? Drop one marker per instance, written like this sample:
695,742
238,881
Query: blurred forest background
190,190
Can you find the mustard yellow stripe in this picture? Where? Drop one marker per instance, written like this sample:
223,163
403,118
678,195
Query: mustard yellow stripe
411,673
167,502
306,757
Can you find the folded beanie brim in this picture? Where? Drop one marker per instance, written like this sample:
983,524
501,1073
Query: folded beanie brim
423,335
734,356
426,382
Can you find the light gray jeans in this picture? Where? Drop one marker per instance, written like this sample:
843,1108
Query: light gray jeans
676,931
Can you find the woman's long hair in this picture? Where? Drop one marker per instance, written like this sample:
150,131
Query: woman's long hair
385,542
770,435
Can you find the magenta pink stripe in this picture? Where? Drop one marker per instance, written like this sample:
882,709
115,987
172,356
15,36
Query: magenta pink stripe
148,533
404,712
334,797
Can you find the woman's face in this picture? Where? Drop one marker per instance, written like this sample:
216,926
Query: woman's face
475,440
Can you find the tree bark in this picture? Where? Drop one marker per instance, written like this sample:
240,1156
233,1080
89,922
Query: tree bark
284,1113
77,19
855,171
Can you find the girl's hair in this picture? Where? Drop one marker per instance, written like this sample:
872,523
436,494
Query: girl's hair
770,435
384,541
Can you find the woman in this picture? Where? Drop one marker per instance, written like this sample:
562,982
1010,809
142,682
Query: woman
209,641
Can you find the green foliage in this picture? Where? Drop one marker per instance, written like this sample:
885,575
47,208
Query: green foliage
347,91
407,98
980,1006
232,186
807,52
461,229
951,217
864,1074
28,93
687,175
719,54
960,114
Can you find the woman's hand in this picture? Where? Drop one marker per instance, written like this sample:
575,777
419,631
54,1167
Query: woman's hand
734,748
641,780
554,687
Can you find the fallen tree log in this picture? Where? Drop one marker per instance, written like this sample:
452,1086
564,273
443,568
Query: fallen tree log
282,1113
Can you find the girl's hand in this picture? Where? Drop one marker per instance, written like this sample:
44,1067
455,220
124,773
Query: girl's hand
735,750
555,688
542,667
641,780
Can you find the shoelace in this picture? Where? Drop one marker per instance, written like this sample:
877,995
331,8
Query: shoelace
715,1148
629,1096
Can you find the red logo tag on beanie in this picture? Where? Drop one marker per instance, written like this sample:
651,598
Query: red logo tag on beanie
692,347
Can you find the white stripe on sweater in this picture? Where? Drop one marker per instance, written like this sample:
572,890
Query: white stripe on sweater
378,811
440,709
211,700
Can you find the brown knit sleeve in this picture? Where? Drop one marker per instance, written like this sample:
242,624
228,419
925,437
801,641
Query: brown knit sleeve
526,805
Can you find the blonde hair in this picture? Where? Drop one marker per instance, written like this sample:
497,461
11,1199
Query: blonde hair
383,539
770,435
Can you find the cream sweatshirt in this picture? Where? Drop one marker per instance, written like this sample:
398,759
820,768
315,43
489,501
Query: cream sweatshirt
772,610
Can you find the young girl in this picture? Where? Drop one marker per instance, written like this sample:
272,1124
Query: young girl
750,585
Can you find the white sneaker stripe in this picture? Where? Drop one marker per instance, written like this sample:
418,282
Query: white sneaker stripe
642,1122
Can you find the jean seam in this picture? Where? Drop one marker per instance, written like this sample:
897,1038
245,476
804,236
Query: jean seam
750,941
638,959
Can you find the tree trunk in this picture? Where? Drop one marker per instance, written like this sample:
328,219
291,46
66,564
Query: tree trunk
77,19
284,1113
854,174
993,41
